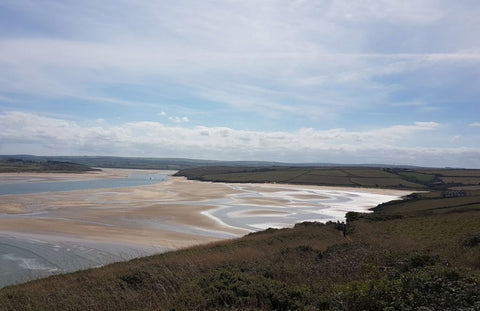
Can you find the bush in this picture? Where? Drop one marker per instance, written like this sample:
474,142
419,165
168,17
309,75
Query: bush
410,291
418,260
471,240
352,216
230,288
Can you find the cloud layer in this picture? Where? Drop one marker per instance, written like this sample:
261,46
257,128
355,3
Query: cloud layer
52,136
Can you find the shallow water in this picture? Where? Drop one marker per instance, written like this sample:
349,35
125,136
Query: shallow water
39,185
24,258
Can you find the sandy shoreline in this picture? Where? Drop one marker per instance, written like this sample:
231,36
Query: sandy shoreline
149,214
93,227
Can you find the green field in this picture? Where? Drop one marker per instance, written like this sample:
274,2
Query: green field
419,177
370,177
453,172
473,180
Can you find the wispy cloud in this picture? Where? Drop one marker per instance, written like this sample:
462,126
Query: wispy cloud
179,119
288,49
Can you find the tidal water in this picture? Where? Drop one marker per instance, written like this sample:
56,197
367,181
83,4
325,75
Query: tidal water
27,257
34,186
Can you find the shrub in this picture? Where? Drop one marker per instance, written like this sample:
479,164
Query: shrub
230,288
437,290
471,240
352,216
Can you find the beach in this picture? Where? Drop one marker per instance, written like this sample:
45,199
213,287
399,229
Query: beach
169,215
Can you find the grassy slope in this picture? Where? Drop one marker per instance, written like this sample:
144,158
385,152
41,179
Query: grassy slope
422,253
351,177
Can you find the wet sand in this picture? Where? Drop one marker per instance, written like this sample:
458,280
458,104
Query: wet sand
124,215
169,215
175,213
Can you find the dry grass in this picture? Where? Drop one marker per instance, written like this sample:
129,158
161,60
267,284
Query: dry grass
386,183
453,172
461,180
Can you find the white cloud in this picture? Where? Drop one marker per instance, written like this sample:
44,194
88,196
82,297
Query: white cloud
28,133
475,124
179,119
162,113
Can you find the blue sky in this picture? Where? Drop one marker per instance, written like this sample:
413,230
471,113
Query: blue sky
375,81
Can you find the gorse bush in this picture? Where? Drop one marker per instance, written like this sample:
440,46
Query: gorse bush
231,288
425,290
471,240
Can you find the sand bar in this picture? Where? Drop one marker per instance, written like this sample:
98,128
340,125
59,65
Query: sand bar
172,214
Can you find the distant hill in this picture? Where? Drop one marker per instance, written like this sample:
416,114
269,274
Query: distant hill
344,176
171,163
15,165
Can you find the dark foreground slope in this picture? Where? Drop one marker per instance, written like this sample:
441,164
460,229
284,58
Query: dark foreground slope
419,254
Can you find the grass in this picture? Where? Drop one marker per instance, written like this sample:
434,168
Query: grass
346,177
474,180
398,178
370,173
419,177
453,172
385,183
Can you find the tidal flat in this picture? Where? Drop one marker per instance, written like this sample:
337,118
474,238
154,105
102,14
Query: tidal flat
55,232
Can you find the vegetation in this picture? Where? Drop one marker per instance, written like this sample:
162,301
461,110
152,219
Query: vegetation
137,162
13,165
421,253
372,177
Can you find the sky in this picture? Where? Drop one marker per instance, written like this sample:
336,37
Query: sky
350,82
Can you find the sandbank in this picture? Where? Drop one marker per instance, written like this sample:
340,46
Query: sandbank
174,214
